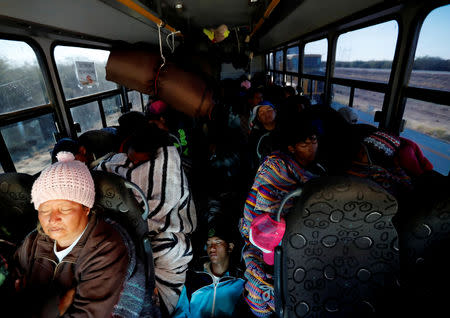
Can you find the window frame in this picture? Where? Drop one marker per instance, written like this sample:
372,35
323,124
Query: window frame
33,112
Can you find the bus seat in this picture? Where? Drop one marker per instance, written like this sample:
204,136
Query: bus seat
424,237
339,254
18,216
115,199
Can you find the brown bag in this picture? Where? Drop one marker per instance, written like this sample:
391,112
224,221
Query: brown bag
135,69
138,70
184,91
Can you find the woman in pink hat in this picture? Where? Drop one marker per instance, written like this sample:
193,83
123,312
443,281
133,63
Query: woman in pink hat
75,264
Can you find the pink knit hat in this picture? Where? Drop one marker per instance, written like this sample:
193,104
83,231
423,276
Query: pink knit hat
67,179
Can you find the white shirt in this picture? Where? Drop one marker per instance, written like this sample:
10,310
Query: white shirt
63,253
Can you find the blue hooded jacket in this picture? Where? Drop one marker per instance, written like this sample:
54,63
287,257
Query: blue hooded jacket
202,297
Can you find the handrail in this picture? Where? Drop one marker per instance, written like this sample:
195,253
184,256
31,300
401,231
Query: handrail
137,8
266,14
259,143
290,195
178,141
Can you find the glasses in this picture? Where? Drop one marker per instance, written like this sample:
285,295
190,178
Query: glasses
309,141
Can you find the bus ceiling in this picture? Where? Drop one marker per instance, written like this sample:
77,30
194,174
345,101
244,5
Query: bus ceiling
268,22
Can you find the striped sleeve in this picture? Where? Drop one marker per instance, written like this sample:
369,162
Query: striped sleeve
168,194
172,218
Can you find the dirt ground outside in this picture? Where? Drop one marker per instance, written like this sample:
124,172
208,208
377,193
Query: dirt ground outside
428,118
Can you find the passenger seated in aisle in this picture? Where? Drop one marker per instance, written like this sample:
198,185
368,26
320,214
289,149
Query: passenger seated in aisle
281,172
75,264
254,98
263,122
215,288
156,169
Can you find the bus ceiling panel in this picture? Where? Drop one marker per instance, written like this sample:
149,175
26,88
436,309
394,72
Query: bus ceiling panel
89,17
309,16
211,14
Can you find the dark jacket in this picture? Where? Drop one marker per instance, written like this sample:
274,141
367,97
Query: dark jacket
96,267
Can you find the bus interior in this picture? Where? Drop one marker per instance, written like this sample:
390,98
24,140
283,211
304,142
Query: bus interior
384,59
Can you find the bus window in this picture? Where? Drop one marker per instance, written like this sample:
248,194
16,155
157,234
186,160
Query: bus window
292,59
82,71
314,89
292,81
134,97
341,96
366,103
88,116
315,57
367,54
30,142
279,60
21,81
111,107
428,123
23,88
431,68
146,98
278,78
271,61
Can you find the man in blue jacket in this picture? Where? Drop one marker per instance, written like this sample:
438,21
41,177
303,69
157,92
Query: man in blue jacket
215,289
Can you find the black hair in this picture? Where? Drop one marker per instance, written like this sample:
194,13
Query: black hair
99,142
65,144
148,138
130,122
252,91
295,129
290,90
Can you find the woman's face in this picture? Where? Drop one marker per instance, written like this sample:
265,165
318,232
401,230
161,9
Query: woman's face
63,220
305,151
266,114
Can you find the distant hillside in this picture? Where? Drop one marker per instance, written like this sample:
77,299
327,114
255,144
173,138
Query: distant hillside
428,63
